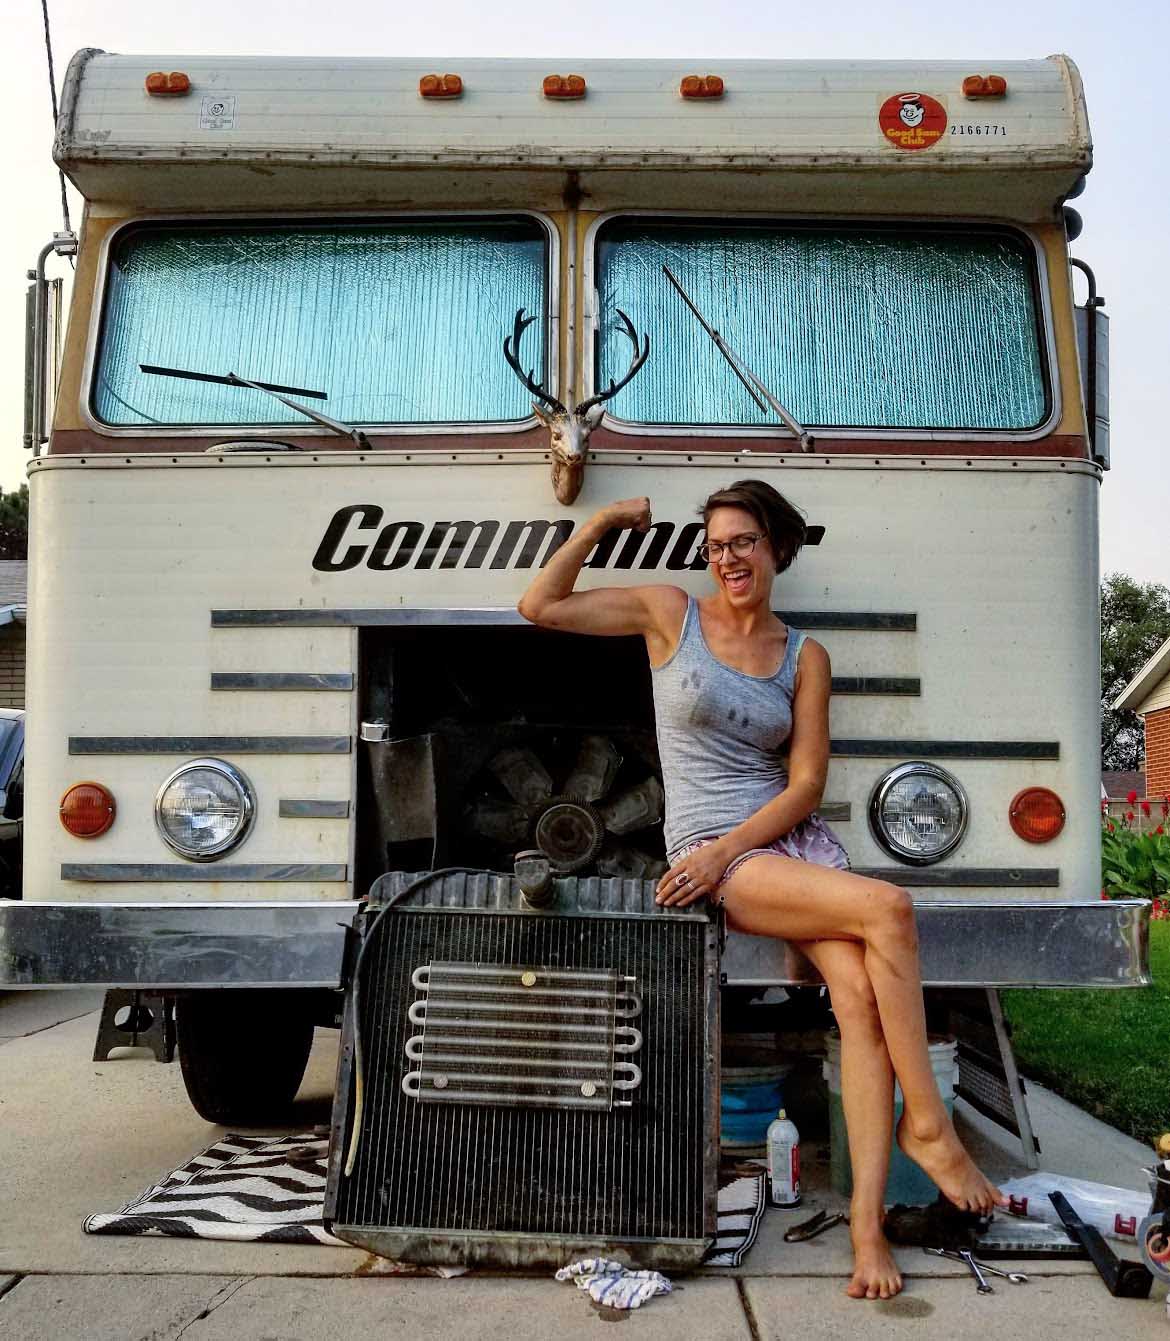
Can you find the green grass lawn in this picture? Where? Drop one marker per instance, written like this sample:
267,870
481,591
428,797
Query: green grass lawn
1108,1052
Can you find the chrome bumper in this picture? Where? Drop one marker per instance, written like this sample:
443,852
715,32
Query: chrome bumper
161,946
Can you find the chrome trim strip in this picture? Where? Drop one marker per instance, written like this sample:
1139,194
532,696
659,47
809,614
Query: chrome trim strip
965,877
314,619
292,809
209,744
974,438
177,872
213,431
1016,943
875,621
1011,943
879,748
836,812
342,681
909,685
173,945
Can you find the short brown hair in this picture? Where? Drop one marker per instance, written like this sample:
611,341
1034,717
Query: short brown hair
781,522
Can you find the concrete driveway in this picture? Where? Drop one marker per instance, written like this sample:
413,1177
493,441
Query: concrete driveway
80,1136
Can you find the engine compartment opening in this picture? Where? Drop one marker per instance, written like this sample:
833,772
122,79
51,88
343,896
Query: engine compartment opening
505,739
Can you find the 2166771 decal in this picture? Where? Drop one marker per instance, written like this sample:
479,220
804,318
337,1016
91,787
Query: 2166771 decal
977,128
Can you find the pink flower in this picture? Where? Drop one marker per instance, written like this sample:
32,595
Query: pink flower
1159,829
1131,797
1145,808
1112,827
1130,816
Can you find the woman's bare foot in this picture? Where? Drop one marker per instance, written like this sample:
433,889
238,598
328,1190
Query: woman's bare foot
875,1273
942,1157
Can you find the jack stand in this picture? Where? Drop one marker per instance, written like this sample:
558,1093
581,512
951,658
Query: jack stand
148,1021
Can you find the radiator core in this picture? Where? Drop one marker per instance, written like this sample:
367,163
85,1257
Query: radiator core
520,1177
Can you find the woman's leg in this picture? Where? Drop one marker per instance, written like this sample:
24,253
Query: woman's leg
867,1095
795,900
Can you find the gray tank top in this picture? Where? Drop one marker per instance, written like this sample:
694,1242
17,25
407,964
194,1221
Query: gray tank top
721,735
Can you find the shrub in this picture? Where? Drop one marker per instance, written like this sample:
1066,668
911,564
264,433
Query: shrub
1135,859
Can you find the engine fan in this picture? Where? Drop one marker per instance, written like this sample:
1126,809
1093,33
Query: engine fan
594,819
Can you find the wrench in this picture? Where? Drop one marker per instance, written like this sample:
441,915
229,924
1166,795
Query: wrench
1016,1277
982,1285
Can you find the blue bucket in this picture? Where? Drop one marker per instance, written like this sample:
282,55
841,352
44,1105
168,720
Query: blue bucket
750,1098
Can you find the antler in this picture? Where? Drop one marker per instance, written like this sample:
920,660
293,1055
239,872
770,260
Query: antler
640,356
512,355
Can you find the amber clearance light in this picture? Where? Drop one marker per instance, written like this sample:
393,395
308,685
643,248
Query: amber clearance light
1036,814
87,809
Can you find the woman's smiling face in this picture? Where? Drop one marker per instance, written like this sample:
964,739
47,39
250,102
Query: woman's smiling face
747,579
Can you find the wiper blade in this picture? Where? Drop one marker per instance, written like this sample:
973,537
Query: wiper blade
272,389
750,381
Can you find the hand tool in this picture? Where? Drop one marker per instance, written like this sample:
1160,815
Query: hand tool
1016,1277
816,1224
1123,1279
981,1282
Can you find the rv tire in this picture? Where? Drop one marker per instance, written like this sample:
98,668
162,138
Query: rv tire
243,1053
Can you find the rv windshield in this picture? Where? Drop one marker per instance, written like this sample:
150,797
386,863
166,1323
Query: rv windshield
402,322
848,326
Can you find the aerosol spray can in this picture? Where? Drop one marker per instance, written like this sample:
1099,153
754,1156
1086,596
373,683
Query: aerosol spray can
783,1161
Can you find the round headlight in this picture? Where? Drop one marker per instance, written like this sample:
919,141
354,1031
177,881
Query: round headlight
204,809
918,813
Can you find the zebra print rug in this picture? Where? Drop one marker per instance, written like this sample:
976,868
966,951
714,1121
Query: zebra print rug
271,1189
258,1189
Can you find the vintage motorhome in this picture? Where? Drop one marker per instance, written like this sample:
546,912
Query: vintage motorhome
273,657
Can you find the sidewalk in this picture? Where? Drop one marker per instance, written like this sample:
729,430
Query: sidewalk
80,1136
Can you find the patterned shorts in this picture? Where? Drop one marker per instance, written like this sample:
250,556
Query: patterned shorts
811,840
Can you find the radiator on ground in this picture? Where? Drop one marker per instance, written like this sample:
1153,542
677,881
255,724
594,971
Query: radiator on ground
535,1085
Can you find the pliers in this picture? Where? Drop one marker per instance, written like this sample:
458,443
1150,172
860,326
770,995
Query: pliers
816,1224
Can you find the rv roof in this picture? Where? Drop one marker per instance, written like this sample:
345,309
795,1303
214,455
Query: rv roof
354,116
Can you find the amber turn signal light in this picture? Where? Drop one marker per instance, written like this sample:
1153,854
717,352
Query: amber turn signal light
701,86
1036,815
564,86
984,86
87,809
161,85
440,86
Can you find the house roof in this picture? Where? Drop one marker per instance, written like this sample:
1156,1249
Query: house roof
1117,786
1146,680
13,581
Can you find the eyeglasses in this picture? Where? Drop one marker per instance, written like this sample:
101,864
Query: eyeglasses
740,545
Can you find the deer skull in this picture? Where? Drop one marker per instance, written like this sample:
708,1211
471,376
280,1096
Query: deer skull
569,430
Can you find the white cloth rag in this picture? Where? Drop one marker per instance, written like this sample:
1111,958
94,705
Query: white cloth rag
610,1283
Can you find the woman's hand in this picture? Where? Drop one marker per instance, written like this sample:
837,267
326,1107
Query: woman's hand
631,514
693,877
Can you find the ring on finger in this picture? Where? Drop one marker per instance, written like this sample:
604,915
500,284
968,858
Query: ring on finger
682,879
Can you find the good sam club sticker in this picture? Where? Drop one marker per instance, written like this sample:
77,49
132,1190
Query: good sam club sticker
912,120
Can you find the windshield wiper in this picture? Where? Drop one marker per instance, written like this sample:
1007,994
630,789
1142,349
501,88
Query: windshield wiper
272,389
744,373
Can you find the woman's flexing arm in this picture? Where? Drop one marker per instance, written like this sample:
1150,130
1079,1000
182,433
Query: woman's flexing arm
653,611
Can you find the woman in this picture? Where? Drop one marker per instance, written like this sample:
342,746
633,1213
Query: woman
732,686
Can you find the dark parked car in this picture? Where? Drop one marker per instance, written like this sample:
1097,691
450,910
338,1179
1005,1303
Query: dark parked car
11,802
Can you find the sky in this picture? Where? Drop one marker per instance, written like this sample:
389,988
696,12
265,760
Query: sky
1122,51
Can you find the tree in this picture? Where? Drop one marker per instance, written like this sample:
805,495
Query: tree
14,523
1135,622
